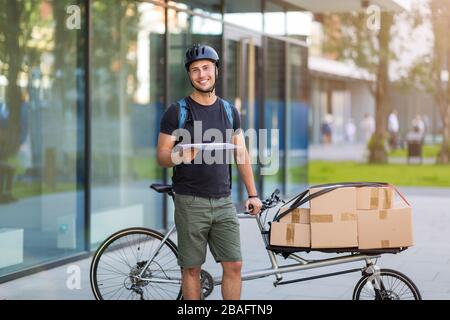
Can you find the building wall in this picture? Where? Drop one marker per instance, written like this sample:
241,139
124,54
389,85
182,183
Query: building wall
43,169
345,100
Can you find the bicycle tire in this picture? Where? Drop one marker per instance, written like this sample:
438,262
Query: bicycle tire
387,292
128,269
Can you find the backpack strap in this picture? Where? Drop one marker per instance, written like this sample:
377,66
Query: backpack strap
228,110
182,113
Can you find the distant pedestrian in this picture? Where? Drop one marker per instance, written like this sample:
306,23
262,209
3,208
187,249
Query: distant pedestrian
327,130
350,131
393,128
419,124
368,127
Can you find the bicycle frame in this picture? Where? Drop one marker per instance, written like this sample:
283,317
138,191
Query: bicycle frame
276,269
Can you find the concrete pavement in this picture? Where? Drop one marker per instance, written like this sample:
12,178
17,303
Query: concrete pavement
427,263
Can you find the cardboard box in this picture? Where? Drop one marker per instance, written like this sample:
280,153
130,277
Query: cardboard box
371,198
334,230
334,219
290,234
390,228
336,201
298,215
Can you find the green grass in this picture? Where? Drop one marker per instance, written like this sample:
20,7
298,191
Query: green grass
397,174
26,190
429,151
145,167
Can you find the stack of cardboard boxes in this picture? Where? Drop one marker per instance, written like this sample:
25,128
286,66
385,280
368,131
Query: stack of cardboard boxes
347,217
293,230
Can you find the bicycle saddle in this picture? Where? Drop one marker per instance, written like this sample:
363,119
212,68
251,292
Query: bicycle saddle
161,188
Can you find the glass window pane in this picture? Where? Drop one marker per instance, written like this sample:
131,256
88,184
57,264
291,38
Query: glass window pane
297,119
299,24
243,88
208,7
185,31
274,111
41,132
247,14
274,19
127,104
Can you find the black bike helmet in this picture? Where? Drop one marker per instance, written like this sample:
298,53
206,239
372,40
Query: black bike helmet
200,52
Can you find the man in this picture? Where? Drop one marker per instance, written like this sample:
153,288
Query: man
367,127
393,128
204,212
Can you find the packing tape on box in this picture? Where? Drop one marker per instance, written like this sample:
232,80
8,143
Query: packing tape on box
385,244
382,215
321,218
374,198
387,203
348,216
295,216
290,233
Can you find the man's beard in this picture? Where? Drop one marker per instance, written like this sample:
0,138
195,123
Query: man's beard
209,90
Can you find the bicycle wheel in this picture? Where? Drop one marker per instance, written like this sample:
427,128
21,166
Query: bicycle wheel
119,260
394,286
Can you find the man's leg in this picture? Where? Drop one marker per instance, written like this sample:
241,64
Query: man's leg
191,283
231,280
193,222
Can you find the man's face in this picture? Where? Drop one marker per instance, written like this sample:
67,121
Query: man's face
202,74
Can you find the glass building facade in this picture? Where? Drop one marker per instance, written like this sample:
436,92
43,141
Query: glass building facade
83,86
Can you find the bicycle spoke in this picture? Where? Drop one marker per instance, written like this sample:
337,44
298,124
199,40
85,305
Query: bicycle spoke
117,270
119,261
118,266
115,292
394,286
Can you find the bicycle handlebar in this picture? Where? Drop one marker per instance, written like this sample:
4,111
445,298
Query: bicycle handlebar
266,203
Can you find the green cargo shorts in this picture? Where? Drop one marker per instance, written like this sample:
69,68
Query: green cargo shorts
201,221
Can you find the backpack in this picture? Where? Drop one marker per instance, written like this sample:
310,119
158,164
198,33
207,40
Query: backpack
183,112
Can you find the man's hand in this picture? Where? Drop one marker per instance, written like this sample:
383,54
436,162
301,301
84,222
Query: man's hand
256,203
184,155
189,154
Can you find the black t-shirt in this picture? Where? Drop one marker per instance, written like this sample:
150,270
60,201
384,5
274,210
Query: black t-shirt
202,179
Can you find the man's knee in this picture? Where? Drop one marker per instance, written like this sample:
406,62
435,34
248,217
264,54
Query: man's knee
234,267
192,271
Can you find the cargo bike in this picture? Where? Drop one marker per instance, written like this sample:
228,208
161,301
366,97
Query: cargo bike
141,264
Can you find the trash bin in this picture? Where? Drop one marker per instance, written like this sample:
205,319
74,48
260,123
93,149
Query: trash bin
414,151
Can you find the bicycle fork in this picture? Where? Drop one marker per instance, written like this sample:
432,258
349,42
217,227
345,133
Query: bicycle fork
374,281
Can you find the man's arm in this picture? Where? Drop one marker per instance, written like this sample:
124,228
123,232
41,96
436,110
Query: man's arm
166,157
246,172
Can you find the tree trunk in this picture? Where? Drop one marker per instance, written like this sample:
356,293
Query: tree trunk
377,148
441,25
444,153
10,140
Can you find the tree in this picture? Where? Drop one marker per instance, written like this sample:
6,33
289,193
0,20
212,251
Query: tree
427,71
349,36
440,18
16,22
